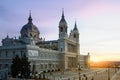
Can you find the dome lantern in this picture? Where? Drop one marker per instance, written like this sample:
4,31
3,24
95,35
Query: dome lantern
30,18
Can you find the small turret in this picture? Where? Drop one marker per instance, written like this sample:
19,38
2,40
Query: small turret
74,34
75,27
7,36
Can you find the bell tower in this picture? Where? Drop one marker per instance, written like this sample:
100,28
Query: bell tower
75,33
63,27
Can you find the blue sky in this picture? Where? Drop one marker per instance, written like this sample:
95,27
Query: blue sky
98,22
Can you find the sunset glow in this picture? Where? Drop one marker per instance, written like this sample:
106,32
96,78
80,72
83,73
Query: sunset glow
95,60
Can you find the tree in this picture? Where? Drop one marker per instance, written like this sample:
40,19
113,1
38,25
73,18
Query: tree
15,67
20,66
25,66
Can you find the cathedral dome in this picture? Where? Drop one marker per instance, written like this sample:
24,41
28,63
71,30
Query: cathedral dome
29,27
29,30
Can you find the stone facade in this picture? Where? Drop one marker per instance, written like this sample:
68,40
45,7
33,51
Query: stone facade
60,54
85,61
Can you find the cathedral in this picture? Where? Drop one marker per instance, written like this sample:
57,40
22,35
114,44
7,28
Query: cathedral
53,55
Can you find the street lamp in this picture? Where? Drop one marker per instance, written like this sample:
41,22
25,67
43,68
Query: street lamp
108,72
79,71
115,68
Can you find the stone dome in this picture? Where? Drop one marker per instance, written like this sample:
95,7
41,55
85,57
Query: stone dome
29,27
29,30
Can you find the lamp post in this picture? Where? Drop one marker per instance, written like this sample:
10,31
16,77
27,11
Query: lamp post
115,68
79,71
108,72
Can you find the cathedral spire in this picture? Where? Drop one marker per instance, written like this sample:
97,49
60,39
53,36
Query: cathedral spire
63,17
7,36
75,27
63,13
30,18
63,22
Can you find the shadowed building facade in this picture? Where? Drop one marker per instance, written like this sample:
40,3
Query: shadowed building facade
52,55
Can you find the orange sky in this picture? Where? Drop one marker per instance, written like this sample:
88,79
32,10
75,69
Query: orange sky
97,58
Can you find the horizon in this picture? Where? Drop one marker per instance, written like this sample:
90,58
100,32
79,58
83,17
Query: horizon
97,21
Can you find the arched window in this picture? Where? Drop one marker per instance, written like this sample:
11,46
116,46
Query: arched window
45,66
25,35
74,35
22,53
41,66
6,53
61,29
61,49
30,35
34,36
66,29
13,54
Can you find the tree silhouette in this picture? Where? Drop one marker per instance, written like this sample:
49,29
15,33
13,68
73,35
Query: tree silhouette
25,66
20,67
16,66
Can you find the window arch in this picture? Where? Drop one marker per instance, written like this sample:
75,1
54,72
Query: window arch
61,29
74,35
13,54
66,29
6,54
30,35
